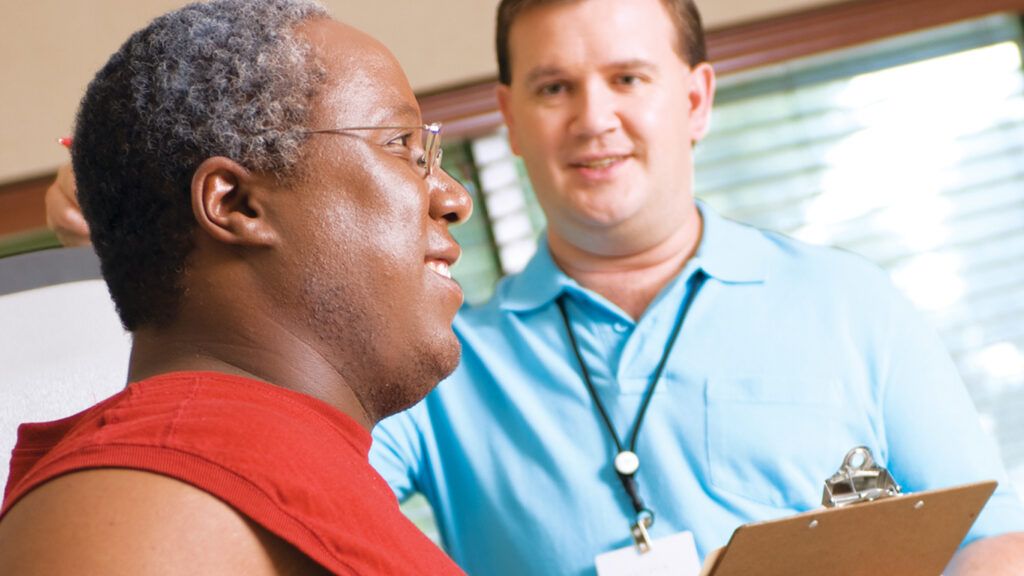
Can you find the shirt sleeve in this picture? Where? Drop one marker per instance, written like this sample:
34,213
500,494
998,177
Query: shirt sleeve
933,432
397,453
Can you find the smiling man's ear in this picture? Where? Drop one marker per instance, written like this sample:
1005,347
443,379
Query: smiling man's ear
228,203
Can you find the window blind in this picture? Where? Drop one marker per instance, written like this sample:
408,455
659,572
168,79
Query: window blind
909,152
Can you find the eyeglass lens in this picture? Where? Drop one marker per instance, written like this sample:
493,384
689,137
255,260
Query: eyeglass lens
431,147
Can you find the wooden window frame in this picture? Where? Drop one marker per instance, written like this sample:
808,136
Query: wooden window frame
472,110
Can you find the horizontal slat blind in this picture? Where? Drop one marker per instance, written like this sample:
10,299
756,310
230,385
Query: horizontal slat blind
478,268
909,152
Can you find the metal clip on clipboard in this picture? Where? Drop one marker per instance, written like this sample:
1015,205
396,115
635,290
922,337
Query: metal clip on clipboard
866,528
858,479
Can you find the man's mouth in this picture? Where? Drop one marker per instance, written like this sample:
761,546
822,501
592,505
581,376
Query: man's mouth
597,163
440,267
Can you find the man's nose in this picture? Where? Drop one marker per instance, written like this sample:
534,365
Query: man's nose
595,110
449,200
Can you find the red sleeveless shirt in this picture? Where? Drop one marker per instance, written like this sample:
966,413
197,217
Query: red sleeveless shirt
289,462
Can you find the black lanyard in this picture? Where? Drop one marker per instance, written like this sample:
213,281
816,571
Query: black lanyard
626,461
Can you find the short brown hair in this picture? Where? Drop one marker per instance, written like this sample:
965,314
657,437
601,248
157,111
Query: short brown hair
684,13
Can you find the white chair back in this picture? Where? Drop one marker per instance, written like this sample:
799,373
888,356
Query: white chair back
62,347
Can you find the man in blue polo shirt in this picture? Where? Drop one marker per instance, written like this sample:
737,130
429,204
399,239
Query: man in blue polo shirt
655,365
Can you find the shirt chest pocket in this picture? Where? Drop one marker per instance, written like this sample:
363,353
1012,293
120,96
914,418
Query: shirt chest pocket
775,441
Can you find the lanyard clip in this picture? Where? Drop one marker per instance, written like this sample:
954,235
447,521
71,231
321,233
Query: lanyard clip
641,539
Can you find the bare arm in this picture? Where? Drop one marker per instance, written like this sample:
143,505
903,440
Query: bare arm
114,521
995,556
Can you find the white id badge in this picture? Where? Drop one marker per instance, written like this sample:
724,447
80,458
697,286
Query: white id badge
674,555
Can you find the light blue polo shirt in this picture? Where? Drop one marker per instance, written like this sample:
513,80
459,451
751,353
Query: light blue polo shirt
790,355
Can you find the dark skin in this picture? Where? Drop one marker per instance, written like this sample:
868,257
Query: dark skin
230,206
70,525
263,265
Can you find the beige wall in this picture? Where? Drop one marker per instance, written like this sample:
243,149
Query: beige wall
49,50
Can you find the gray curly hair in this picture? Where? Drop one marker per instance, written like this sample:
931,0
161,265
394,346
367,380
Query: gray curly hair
224,78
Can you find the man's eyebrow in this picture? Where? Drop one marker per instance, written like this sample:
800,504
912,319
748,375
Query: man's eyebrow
389,113
402,114
542,72
632,64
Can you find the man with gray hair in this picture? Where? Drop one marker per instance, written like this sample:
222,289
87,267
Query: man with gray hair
272,223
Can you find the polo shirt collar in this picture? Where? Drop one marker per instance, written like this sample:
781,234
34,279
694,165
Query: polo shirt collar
538,284
732,252
728,251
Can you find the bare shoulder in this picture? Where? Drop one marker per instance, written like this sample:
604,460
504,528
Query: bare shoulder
116,521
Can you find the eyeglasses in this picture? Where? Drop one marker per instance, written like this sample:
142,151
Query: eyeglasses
427,162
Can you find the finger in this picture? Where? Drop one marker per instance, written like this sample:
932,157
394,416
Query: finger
66,184
63,215
69,225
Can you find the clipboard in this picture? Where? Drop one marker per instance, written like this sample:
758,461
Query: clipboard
908,534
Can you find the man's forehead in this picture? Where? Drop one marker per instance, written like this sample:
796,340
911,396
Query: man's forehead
553,38
363,81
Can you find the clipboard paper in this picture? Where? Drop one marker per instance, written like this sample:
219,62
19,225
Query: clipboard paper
906,535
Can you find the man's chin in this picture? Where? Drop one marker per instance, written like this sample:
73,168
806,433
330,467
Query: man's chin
450,361
442,363
435,367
